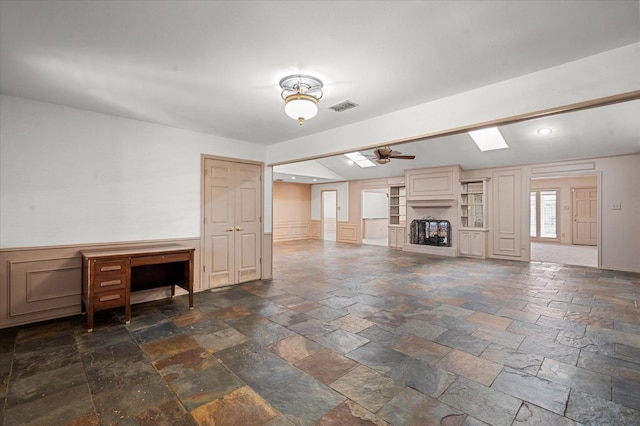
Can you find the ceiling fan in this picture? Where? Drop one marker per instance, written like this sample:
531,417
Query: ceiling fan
384,155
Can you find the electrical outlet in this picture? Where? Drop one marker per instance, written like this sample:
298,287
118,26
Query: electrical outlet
616,206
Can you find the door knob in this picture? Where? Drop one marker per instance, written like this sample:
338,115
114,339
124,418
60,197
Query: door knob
238,229
230,230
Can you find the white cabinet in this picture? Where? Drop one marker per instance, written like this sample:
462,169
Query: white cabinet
473,210
396,236
472,243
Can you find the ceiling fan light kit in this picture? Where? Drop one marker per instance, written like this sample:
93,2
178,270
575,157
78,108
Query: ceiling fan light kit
383,155
301,94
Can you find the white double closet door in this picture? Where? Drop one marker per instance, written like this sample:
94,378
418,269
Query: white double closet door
232,222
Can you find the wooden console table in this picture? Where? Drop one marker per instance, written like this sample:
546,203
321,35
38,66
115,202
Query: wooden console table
110,275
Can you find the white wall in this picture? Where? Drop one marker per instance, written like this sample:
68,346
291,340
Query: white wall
620,236
343,200
375,205
69,176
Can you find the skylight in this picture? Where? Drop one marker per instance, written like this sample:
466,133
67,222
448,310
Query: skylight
360,159
488,139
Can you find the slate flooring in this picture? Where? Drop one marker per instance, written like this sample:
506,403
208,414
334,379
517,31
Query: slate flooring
346,335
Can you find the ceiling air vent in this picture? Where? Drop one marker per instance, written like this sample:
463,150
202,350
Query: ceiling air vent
343,106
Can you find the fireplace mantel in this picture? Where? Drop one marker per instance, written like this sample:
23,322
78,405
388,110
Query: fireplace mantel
445,202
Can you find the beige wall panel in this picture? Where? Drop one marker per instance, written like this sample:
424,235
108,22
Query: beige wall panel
316,229
291,202
44,285
41,283
347,233
429,184
507,199
291,231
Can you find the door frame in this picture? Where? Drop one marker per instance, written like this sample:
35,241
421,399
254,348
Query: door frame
567,174
201,257
322,192
380,190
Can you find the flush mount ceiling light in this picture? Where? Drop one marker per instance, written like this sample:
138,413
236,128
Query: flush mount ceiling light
301,94
544,131
488,139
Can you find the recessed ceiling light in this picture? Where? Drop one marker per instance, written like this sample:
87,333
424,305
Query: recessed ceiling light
293,177
488,139
544,131
315,180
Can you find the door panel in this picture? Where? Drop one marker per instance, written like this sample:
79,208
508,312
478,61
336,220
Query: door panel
506,206
218,221
232,222
247,235
219,271
585,216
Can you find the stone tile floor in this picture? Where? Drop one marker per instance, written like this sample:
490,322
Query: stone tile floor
346,335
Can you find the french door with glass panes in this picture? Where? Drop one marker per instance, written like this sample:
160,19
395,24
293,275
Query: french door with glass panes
544,214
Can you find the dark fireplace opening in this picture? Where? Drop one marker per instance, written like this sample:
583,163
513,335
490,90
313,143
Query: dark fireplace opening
431,232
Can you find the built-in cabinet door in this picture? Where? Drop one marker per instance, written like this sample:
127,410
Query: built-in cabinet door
472,243
464,243
396,237
507,202
232,228
476,245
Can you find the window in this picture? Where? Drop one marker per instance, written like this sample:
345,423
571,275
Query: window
544,214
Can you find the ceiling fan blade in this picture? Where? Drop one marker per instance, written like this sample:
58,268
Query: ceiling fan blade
403,157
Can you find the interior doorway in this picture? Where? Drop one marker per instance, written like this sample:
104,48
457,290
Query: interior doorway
375,217
563,220
329,215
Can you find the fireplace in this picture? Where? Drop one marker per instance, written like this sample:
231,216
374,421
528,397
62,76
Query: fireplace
431,232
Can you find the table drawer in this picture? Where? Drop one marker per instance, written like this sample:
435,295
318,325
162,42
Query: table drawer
104,283
110,267
107,300
163,258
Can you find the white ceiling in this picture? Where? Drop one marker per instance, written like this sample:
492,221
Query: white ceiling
214,66
597,132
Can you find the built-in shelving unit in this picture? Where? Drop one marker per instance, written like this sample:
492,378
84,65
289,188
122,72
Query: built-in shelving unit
472,204
473,210
397,216
397,205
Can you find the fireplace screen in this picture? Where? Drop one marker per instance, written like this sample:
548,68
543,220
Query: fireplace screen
431,232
